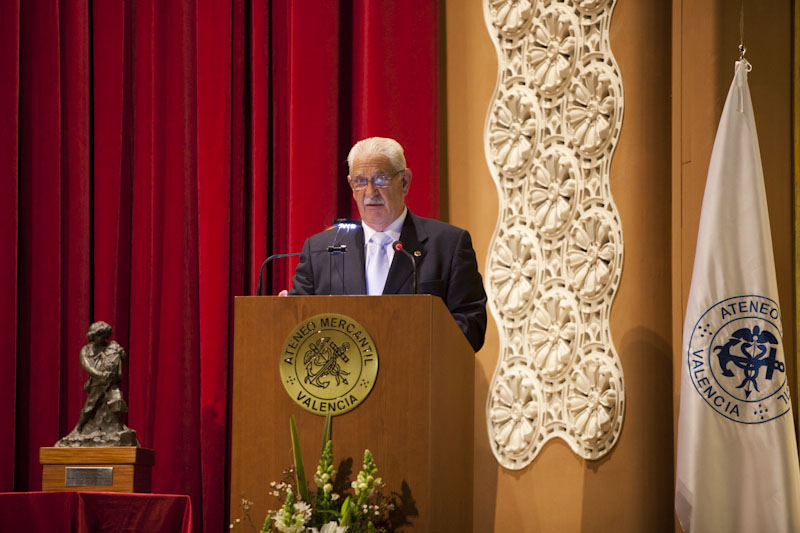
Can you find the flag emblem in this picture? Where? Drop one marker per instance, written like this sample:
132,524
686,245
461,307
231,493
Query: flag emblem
736,360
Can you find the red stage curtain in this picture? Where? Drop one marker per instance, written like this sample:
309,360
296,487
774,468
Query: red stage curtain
9,146
153,153
344,71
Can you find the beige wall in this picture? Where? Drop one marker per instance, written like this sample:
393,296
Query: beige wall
657,178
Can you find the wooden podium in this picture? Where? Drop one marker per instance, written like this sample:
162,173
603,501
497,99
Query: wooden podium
417,421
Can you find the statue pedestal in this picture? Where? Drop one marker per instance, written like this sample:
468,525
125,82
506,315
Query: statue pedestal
109,469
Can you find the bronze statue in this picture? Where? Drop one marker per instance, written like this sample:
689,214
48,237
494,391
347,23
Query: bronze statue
100,422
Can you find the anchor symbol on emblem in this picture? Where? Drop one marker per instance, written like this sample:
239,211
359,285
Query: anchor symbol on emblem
753,345
322,360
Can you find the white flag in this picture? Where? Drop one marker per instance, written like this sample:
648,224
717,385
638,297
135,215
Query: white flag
737,466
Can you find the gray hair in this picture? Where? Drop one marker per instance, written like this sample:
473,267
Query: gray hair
384,146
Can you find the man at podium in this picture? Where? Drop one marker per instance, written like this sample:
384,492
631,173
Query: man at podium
373,264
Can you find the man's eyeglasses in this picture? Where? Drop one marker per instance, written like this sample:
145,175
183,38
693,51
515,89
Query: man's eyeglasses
379,180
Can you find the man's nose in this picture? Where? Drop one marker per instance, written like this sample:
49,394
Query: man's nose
371,189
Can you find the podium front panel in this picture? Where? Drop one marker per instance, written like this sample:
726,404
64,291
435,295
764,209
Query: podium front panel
417,421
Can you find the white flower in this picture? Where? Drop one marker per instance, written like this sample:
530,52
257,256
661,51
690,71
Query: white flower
294,519
303,511
291,528
330,527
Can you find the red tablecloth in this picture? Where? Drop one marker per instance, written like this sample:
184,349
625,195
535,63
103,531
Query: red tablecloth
90,512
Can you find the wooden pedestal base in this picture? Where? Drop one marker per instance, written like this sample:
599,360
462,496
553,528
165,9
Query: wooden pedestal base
112,469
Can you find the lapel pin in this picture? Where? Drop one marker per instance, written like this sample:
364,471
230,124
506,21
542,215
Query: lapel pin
417,253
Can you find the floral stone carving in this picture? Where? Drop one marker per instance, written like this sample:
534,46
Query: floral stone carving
556,255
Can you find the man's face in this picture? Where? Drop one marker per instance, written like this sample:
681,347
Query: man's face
379,207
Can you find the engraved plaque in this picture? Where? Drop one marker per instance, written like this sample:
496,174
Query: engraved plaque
86,476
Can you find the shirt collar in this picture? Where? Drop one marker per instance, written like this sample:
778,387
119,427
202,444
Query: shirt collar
393,230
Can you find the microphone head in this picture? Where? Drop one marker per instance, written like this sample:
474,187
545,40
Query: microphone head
397,245
346,223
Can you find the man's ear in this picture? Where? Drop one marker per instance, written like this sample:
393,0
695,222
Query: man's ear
407,180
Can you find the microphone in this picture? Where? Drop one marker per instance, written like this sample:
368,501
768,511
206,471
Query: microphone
398,247
335,249
264,265
346,223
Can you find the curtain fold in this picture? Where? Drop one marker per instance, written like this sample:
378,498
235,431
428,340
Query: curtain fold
164,343
307,118
395,87
75,205
40,289
9,164
353,70
214,193
112,157
153,154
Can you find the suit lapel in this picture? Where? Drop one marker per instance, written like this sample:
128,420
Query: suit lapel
412,237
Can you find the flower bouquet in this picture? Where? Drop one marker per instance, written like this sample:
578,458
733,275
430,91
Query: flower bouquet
364,508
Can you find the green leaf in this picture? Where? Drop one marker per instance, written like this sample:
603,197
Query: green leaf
346,512
267,527
300,473
326,432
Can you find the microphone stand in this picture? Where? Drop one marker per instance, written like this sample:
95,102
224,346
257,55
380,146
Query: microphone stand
398,247
332,250
335,249
264,265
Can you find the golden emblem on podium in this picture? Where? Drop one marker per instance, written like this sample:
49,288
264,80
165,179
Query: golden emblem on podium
329,364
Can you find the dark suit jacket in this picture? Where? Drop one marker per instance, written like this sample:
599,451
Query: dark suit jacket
446,267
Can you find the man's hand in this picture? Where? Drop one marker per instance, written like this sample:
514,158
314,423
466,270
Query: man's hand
284,292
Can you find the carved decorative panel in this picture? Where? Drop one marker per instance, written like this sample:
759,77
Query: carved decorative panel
555,258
